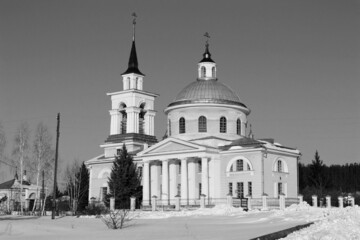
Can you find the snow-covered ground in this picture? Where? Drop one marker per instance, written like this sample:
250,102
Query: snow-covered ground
220,222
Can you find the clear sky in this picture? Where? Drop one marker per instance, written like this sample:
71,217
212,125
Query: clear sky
295,64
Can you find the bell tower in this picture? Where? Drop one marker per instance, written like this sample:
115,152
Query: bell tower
132,110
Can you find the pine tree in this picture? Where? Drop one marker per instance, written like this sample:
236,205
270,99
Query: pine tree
83,180
124,181
318,174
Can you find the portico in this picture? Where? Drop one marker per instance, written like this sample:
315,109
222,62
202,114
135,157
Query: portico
182,171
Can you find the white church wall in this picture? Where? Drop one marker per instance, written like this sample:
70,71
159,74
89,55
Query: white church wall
253,176
212,114
99,178
288,177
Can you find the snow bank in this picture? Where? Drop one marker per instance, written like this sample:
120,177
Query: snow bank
336,224
218,210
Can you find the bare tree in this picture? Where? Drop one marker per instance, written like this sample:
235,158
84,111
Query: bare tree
71,181
20,151
42,155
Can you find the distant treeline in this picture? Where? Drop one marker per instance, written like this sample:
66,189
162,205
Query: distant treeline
343,178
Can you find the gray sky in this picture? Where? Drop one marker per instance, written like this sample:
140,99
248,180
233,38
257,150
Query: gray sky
294,63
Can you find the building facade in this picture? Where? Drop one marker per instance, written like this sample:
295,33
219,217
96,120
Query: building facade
207,150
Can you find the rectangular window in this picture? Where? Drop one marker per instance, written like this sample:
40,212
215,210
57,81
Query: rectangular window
179,189
179,167
200,167
240,190
230,188
250,188
280,190
118,152
199,190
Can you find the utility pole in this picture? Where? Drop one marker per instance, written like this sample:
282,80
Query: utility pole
42,193
56,159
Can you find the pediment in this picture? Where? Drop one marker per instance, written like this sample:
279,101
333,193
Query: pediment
171,145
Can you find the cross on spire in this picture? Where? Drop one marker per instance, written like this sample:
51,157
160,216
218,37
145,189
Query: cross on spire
207,35
134,23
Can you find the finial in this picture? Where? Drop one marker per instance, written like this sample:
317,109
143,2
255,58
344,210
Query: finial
134,23
207,35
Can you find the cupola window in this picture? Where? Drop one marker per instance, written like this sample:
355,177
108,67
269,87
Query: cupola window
182,125
213,72
238,127
222,125
203,72
202,124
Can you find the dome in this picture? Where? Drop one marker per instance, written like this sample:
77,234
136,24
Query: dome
207,91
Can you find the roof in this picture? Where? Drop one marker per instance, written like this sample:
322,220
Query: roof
9,184
133,62
243,142
207,91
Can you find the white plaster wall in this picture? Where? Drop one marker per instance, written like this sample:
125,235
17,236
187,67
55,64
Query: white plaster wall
253,176
97,179
289,179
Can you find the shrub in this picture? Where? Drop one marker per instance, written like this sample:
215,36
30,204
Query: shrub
96,209
117,219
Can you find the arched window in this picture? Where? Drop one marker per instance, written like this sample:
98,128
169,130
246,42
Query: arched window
239,165
213,72
202,124
123,124
279,166
238,127
142,118
223,125
203,72
182,125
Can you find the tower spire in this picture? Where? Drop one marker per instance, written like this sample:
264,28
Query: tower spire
133,62
207,54
134,24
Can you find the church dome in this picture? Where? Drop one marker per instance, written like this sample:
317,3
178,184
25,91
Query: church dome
207,91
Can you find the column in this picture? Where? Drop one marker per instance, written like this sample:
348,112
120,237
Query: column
205,177
165,182
146,183
184,183
132,119
155,183
115,121
149,122
192,181
173,181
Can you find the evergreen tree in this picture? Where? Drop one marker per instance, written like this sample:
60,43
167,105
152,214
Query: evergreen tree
318,174
124,181
83,181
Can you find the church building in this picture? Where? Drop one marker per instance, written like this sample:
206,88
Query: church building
206,152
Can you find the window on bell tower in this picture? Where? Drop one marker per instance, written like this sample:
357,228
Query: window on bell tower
213,72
